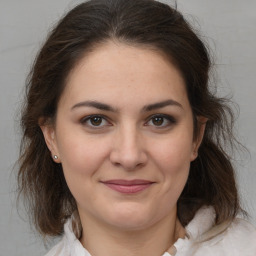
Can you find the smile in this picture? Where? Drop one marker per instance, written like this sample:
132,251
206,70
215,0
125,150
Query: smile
128,186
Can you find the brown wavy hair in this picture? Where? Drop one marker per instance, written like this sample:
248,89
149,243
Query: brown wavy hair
143,23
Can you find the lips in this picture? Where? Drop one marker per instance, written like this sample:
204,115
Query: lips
128,186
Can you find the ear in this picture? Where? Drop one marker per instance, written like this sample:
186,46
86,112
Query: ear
201,122
48,131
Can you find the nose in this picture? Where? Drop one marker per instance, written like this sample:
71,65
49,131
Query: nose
128,149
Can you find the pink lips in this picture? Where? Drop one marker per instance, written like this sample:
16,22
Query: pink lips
128,186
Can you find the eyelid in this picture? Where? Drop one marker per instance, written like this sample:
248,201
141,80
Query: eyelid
87,118
169,118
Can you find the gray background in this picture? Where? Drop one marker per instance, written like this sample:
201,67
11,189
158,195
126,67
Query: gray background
228,25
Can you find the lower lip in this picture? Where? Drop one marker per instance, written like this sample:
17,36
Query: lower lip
128,189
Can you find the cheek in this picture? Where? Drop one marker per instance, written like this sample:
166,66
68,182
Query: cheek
175,152
81,155
81,160
173,156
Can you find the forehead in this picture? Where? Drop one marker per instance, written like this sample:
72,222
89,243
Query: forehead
123,71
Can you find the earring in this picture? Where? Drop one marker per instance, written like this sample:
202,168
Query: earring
55,157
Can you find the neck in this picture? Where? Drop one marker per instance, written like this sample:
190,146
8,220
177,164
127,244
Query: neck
104,240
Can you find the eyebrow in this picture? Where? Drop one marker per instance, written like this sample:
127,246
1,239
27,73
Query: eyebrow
161,104
94,104
106,107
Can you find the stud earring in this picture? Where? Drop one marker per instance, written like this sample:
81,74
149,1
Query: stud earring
55,157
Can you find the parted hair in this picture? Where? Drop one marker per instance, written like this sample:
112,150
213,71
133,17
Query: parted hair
142,23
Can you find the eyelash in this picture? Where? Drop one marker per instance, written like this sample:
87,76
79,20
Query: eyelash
166,118
89,118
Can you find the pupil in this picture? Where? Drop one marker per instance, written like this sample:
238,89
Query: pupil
158,121
96,121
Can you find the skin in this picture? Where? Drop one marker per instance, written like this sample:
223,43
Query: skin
127,141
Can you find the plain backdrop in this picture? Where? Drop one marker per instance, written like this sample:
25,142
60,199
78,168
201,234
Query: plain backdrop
229,26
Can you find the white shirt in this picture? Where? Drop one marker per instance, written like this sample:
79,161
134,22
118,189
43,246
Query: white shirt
238,239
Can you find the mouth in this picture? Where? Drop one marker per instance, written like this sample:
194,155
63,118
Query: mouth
128,186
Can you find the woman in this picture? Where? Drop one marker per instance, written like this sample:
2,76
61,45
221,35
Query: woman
123,150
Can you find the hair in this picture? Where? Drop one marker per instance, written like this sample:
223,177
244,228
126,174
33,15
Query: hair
140,23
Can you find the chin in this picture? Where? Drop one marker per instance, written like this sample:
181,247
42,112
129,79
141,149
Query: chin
130,218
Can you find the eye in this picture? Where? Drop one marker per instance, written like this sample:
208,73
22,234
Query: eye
161,121
95,121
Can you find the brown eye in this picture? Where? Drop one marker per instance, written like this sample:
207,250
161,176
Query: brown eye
161,121
158,121
96,120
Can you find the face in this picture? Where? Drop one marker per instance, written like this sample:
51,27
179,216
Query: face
124,136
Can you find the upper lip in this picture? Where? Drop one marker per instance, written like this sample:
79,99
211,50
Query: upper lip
127,182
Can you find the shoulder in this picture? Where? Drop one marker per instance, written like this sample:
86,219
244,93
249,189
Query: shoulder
241,226
241,234
69,244
57,250
238,239
62,248
229,238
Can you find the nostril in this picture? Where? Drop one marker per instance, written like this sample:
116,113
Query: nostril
128,149
128,161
